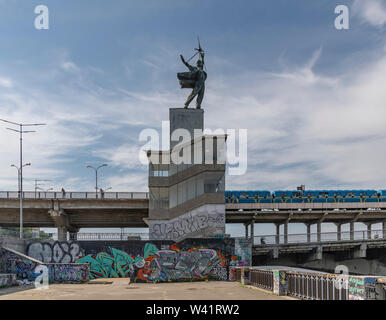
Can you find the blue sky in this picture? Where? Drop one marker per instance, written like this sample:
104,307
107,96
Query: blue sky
312,97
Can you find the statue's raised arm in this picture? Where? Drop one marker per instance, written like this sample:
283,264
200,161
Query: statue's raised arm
185,63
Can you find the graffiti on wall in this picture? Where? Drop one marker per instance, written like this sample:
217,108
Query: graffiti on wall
178,262
356,288
243,249
68,272
21,267
26,268
209,218
7,280
55,252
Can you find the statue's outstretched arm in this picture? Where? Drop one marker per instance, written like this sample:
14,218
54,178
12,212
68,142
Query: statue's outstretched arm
185,63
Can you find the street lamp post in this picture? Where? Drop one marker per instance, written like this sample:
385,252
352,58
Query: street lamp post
18,176
21,131
96,176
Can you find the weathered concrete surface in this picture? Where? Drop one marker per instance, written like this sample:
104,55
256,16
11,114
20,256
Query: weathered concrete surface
7,280
188,119
121,290
14,244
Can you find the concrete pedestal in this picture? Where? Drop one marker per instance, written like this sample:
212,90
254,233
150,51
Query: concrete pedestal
188,119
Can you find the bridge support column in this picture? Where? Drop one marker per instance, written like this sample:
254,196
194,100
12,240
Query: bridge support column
384,229
319,231
308,232
369,231
62,234
253,232
62,222
277,233
339,231
286,232
246,230
360,252
352,230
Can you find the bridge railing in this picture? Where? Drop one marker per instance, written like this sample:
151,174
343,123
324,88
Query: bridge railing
313,286
316,238
107,236
261,278
305,285
74,195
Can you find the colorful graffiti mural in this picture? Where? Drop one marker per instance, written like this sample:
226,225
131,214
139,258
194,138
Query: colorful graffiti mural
176,262
25,268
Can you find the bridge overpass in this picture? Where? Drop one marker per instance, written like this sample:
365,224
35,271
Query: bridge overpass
362,252
71,211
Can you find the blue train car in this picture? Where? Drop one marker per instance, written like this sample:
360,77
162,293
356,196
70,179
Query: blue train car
248,196
309,196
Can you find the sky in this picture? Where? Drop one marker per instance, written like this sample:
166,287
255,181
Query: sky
311,97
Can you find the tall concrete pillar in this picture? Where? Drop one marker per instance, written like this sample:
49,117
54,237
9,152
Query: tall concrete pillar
286,232
277,233
339,231
369,231
308,232
246,230
319,231
62,234
384,229
352,230
253,232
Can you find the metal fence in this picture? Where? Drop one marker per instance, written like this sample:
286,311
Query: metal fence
107,236
310,286
305,285
74,195
322,237
261,278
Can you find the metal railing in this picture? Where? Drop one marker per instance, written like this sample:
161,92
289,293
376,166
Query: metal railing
313,286
261,278
74,195
11,234
268,240
306,285
107,236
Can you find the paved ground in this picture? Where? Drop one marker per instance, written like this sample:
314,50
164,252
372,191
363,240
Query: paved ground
120,289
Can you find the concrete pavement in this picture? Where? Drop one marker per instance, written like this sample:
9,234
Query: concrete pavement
120,289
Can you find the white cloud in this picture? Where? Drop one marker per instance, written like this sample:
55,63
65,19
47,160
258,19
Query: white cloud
6,83
371,11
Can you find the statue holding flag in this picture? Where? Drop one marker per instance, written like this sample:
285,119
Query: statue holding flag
194,79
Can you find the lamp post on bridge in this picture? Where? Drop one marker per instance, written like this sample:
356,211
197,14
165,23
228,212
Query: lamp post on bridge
96,176
18,175
20,131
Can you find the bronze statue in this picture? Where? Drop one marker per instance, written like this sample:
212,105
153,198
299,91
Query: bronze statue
194,79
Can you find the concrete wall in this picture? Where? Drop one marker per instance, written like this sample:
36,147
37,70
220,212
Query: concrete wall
15,244
149,261
205,220
24,268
